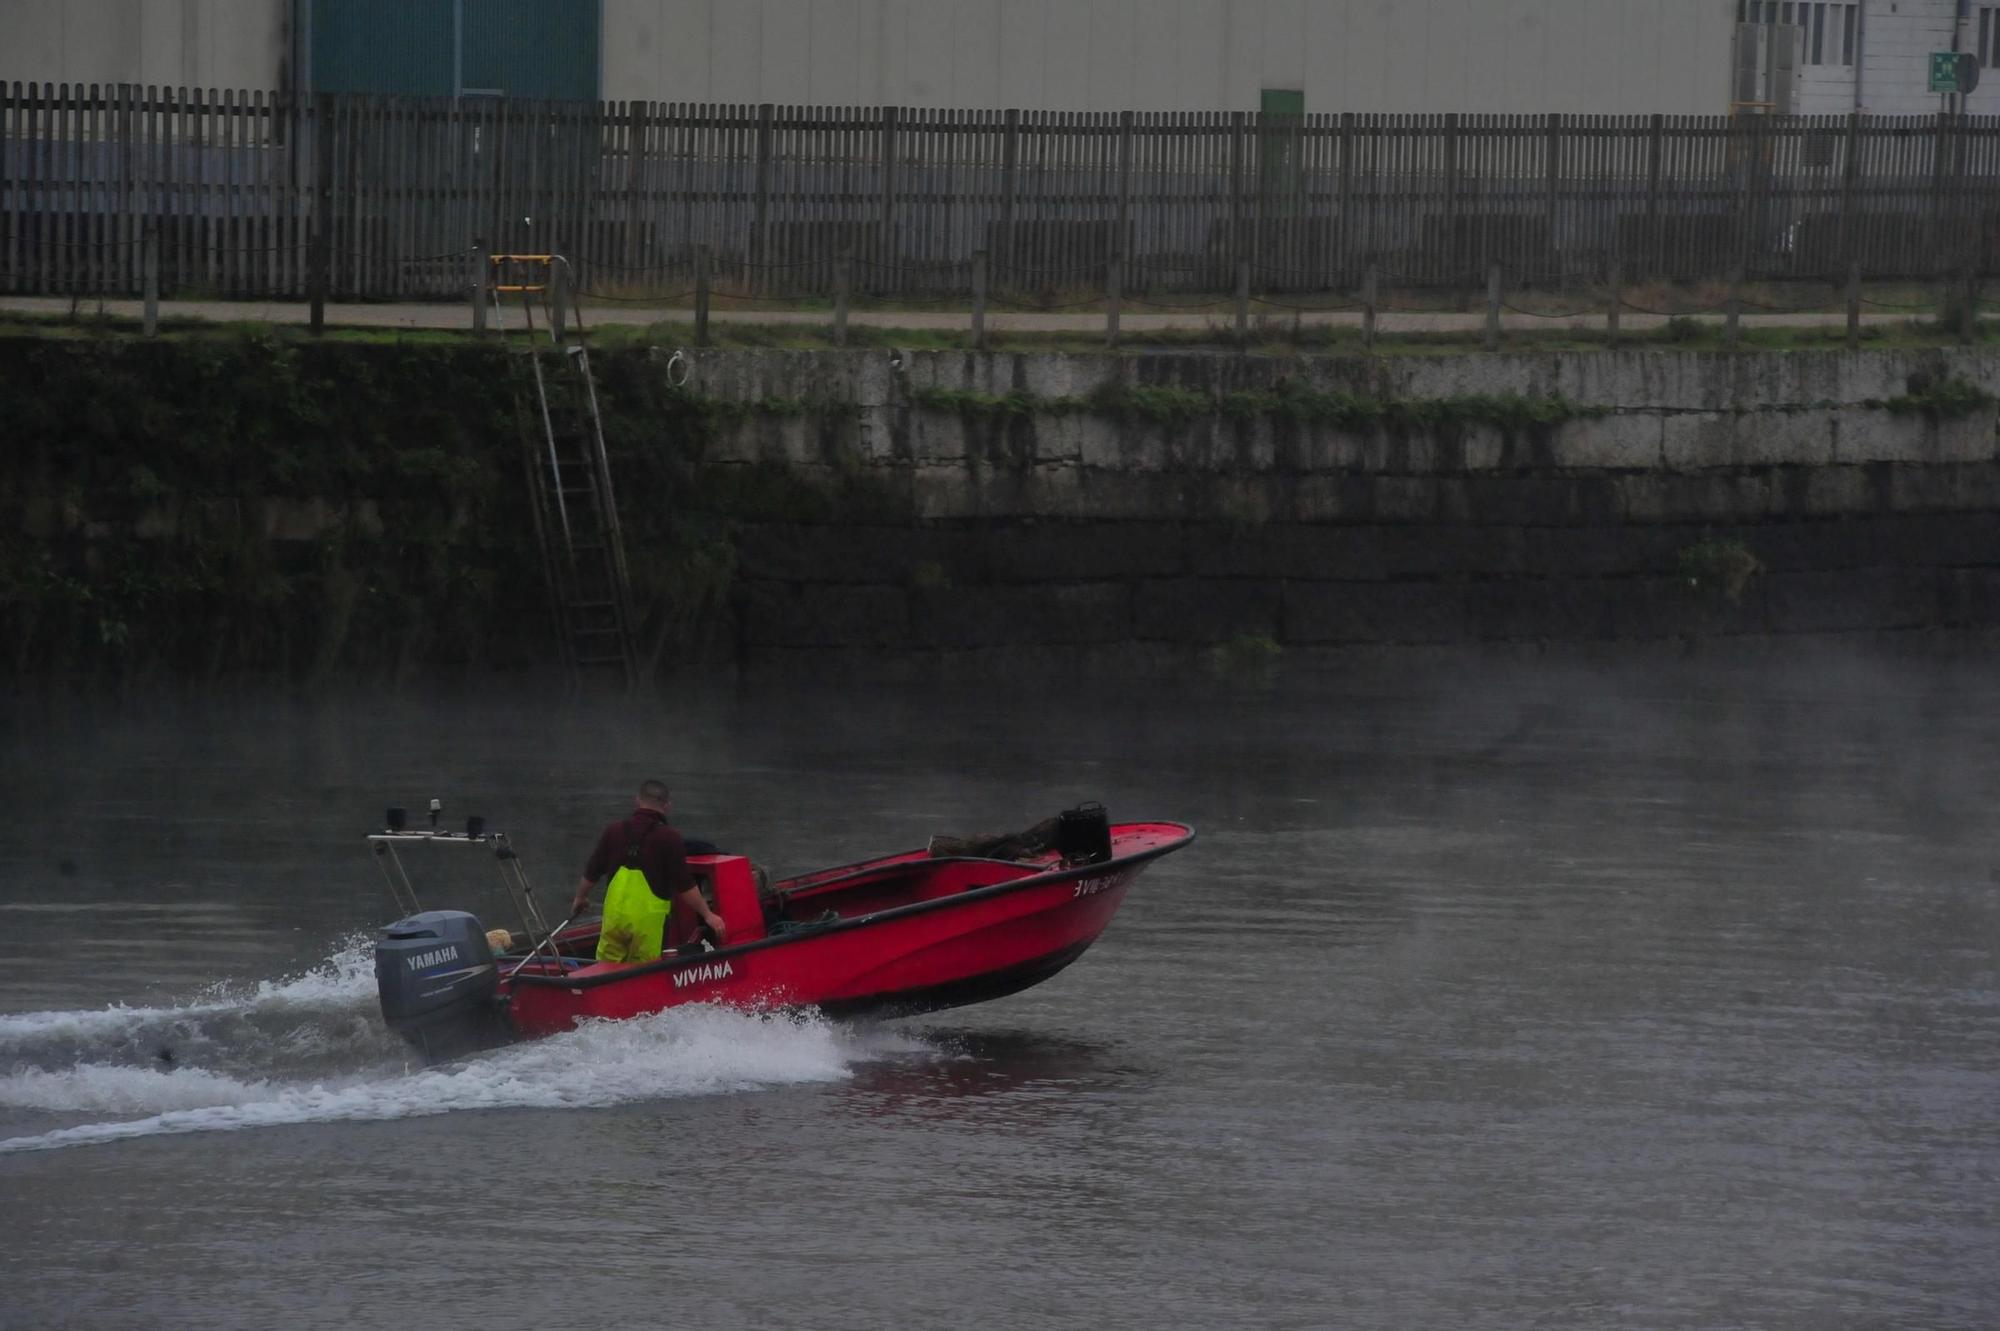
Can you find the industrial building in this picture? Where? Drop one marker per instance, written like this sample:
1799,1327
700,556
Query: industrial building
1514,56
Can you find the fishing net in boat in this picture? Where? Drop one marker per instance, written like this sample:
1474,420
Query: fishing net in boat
1079,835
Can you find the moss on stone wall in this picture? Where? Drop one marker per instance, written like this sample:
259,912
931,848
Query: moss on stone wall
1176,404
223,504
256,504
1940,397
250,503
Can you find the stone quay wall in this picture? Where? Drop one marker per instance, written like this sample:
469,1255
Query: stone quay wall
971,503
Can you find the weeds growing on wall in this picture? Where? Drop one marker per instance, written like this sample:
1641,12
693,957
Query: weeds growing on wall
1174,404
1940,397
1721,564
1247,655
223,505
230,504
971,402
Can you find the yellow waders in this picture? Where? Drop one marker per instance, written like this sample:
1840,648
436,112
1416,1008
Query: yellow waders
634,919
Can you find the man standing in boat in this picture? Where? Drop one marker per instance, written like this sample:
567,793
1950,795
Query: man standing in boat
647,861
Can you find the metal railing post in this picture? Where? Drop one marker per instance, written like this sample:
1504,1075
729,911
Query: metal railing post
1114,283
979,300
558,299
482,270
1734,328
319,257
701,295
1371,296
1853,306
843,279
1491,340
151,263
1614,302
1242,303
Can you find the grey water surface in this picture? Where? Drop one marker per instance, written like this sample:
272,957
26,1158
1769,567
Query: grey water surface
1552,995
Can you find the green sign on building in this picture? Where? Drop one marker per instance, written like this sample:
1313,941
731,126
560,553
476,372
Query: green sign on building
1954,71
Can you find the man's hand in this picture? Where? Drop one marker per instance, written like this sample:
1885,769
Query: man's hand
717,927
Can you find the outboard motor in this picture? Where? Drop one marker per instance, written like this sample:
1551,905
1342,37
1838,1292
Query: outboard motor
1083,834
436,977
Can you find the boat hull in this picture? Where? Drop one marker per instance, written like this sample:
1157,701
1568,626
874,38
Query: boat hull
900,934
945,954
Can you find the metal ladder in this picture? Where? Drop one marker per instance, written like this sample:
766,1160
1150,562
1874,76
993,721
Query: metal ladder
569,475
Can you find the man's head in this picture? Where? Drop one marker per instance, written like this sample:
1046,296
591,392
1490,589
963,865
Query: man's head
653,795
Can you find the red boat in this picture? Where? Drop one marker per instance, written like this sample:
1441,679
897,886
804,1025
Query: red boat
904,933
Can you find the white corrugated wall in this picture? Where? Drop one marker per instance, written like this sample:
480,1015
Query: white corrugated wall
1583,56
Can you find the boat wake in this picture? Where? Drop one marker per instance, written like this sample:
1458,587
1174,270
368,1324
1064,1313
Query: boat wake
312,1049
258,1028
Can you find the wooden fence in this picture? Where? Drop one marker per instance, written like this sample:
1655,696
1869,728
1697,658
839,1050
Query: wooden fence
263,194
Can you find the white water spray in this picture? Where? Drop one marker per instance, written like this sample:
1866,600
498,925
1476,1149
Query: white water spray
321,1056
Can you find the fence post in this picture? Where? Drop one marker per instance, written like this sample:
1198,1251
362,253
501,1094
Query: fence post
1451,210
1853,306
482,268
1614,302
319,257
701,295
1735,326
1242,303
1655,262
979,300
760,239
1370,295
1492,338
1114,284
843,278
316,281
1010,150
1121,240
558,299
126,92
1239,240
150,258
1940,141
886,241
1850,173
1552,187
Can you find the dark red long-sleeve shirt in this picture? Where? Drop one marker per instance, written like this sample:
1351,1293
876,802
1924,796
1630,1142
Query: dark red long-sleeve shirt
662,853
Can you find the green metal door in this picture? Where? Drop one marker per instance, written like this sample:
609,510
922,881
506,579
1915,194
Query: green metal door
383,46
531,48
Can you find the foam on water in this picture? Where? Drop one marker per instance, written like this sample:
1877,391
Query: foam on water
311,1049
110,1088
345,980
689,1051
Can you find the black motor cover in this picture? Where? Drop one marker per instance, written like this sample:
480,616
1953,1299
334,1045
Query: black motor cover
434,970
1083,834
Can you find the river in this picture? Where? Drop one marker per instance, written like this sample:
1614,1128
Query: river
1542,994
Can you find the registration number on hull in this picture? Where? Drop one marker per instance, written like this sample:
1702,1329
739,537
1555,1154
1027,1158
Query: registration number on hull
1090,887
